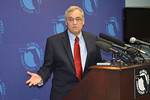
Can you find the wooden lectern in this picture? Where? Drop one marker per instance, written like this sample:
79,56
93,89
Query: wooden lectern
108,83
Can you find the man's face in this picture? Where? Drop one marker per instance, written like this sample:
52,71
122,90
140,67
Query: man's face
75,22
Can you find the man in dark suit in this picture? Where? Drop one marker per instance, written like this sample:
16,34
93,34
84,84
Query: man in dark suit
60,57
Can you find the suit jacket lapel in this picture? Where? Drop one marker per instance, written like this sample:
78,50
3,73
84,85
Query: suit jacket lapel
87,43
67,47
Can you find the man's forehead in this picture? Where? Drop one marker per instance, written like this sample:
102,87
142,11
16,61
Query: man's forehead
76,10
75,13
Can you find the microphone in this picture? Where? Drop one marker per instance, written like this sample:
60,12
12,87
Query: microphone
131,51
112,44
112,39
134,40
107,47
119,42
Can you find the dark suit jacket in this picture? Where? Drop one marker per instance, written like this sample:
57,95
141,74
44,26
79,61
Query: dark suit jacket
59,60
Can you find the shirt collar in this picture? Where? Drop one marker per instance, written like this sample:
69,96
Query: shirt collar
72,37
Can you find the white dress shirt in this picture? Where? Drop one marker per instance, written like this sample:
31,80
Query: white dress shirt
83,50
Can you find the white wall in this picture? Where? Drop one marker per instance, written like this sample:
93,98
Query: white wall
137,3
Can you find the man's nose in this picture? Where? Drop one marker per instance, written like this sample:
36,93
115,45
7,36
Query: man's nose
74,21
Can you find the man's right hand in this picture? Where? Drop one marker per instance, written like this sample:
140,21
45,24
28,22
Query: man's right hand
35,79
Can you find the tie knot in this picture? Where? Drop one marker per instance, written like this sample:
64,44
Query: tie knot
76,39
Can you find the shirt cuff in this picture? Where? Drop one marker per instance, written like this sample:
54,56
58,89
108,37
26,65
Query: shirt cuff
41,83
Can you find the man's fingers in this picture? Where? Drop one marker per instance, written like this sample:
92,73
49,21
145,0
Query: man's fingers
30,84
29,73
28,81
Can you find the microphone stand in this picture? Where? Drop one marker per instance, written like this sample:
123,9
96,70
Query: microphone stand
140,55
113,61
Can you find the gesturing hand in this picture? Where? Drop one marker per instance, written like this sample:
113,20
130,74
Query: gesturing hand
35,79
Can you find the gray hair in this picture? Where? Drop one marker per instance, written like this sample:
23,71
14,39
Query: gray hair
73,8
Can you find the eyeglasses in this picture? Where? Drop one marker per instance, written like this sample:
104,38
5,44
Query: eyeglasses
78,19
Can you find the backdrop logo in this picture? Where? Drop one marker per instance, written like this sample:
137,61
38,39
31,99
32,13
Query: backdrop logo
112,26
59,24
2,90
90,7
142,82
31,56
31,6
1,30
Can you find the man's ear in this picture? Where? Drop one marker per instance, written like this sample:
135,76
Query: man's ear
66,21
83,20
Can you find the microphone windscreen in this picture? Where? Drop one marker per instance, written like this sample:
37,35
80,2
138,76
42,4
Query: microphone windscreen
132,40
109,42
112,39
106,47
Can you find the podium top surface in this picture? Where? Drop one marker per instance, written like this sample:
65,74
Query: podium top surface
119,68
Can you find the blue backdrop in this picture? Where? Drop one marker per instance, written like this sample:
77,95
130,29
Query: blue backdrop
24,28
